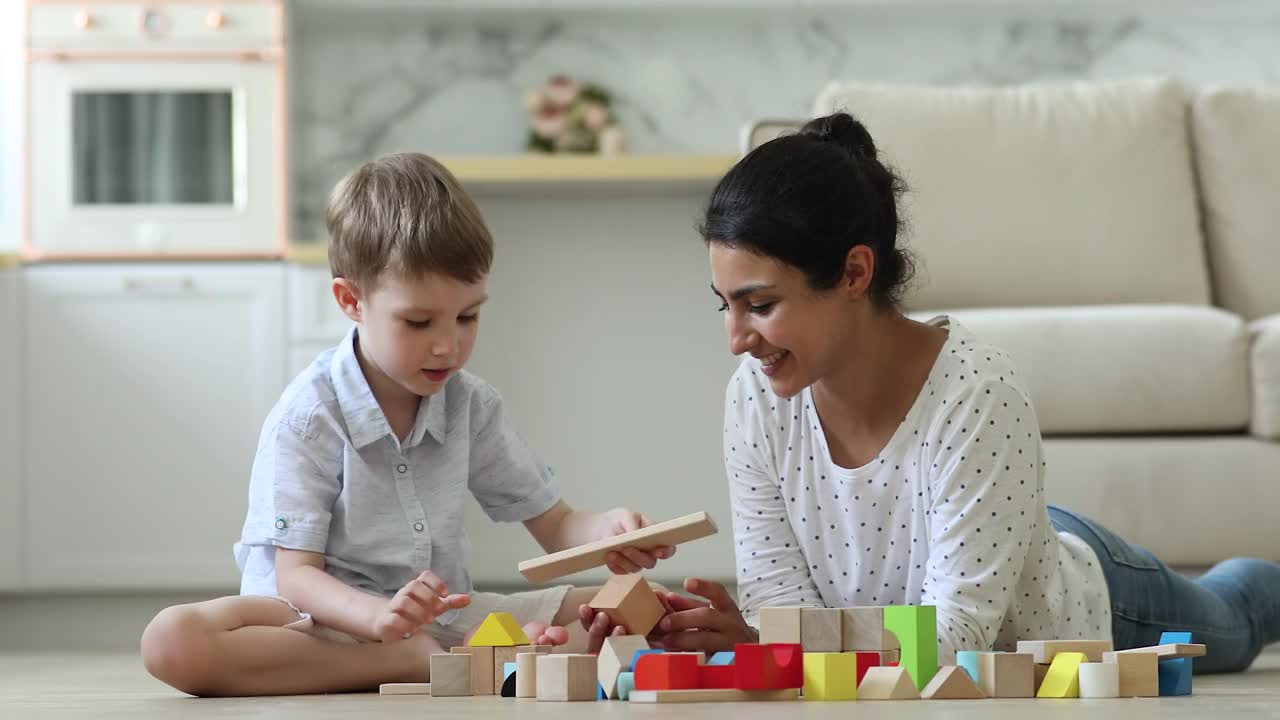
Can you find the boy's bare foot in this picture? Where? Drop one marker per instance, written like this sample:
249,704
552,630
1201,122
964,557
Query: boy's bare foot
540,633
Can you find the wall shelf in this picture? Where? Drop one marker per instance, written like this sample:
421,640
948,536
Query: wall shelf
533,169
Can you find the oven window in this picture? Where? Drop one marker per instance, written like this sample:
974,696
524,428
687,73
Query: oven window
152,148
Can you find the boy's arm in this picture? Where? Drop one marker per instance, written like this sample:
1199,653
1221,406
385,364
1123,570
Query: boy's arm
562,527
301,578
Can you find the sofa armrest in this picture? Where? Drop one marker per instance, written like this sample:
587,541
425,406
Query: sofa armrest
1264,368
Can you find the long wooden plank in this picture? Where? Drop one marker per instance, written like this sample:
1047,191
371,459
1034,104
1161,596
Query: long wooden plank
404,689
1170,651
714,695
584,557
1045,650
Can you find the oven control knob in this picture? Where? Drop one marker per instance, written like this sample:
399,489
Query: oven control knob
83,20
216,19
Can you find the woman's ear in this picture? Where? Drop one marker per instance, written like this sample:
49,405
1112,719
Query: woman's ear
348,297
859,267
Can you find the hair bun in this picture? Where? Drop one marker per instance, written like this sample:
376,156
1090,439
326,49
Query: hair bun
840,128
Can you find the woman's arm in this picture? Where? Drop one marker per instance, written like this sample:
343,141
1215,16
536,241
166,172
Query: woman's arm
986,499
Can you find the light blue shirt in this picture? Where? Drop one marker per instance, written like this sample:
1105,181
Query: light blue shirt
331,477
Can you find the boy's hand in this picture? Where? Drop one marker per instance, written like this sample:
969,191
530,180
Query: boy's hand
630,560
418,603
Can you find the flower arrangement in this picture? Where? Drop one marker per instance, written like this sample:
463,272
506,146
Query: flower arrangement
566,117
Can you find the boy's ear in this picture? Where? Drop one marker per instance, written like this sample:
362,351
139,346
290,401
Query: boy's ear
348,297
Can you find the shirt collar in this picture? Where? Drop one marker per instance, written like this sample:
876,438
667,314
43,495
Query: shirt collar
366,423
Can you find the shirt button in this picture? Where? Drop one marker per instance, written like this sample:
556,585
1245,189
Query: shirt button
418,526
402,467
281,524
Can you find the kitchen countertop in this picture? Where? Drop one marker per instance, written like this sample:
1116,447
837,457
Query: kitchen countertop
9,259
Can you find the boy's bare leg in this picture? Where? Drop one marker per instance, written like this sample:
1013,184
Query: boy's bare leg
238,646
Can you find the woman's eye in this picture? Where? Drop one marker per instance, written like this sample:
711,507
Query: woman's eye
761,309
417,324
723,307
468,319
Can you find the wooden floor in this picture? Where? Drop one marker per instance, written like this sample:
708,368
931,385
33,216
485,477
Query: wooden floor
116,686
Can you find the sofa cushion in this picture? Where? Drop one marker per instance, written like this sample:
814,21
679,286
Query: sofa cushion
1041,195
1125,368
1237,148
1265,371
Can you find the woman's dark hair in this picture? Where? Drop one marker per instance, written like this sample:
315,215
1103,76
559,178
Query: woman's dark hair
806,199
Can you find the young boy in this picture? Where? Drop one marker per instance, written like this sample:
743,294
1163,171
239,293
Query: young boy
353,554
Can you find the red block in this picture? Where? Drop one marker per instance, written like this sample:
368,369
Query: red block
715,677
776,666
866,661
667,671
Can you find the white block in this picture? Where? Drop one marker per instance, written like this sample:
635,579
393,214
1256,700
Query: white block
1099,680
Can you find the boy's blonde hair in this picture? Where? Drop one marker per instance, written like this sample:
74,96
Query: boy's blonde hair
406,214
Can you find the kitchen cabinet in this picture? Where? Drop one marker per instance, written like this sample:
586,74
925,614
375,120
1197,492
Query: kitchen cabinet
145,388
10,460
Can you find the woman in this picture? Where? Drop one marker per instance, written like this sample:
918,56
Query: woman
876,460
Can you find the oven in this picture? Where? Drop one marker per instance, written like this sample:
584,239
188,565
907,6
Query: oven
155,129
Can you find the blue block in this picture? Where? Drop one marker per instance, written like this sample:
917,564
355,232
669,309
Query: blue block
636,658
721,658
600,692
968,659
507,669
626,683
1174,675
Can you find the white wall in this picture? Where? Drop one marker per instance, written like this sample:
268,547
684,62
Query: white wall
11,93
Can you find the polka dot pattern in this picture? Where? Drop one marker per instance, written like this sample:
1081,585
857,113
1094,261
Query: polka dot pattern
950,513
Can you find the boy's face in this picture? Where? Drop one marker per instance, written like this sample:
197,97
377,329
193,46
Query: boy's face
414,333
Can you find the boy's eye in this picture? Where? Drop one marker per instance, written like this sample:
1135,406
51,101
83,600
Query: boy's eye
761,309
417,324
468,319
723,306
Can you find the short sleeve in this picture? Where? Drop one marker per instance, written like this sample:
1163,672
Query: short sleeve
296,479
505,476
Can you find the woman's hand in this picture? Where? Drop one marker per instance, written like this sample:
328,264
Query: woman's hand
712,626
630,559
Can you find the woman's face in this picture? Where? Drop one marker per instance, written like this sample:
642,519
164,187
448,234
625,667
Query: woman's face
770,311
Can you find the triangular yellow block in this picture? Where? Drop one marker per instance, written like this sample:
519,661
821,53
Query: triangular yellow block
500,629
951,683
887,683
1063,678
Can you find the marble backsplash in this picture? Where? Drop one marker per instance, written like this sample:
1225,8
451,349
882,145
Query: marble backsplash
451,83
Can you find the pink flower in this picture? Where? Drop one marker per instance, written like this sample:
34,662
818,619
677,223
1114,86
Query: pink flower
594,116
561,90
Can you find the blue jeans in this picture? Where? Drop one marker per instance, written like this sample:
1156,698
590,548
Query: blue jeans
1234,609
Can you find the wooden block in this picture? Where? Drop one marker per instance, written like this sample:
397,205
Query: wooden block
820,629
716,677
527,674
504,655
404,689
715,695
667,671
1044,651
566,678
863,629
1041,670
1063,678
1138,673
1170,651
451,675
721,658
482,678
509,684
776,666
626,683
615,657
916,627
870,659
779,625
1099,680
968,660
887,683
584,557
630,602
1174,677
830,676
951,683
1007,675
500,629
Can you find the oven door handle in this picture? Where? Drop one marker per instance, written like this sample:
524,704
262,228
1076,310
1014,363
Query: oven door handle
159,284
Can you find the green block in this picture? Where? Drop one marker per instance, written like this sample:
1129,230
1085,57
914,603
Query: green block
916,627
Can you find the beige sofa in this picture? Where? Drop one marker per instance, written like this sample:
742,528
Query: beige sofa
1122,241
